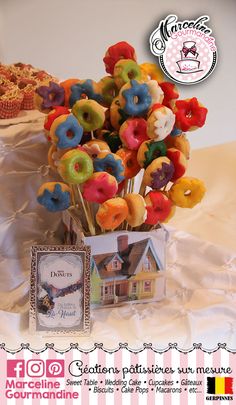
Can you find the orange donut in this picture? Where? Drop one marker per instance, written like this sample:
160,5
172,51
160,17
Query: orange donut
129,158
67,84
112,213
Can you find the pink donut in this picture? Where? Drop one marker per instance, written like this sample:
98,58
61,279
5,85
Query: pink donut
133,132
100,187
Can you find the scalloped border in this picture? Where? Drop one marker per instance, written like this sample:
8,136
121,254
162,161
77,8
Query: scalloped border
75,346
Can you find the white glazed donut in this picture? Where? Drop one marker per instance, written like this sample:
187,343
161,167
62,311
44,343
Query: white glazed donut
160,123
155,91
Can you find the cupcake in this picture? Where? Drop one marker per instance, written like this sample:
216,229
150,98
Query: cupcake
10,100
27,88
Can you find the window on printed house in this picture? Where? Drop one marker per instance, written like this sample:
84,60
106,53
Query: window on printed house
107,290
147,263
115,264
134,288
147,287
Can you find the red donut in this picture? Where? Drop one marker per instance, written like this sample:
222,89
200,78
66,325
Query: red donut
179,161
190,114
121,50
56,112
158,207
170,92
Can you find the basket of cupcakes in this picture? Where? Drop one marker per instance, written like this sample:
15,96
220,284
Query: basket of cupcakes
120,148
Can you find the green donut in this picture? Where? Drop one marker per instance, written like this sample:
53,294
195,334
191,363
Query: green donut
126,70
89,113
75,166
150,150
108,90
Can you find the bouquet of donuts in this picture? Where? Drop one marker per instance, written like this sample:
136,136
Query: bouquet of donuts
107,137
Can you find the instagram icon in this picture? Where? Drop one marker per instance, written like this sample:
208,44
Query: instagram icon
35,368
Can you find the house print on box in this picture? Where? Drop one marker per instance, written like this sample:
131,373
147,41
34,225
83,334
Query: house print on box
128,274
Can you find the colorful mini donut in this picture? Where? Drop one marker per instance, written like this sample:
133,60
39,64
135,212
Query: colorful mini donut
190,114
108,90
112,213
86,88
135,98
179,142
121,50
126,70
117,114
155,92
158,207
53,114
55,196
152,71
89,114
133,132
150,150
67,84
95,146
75,166
160,122
47,97
158,173
100,187
186,192
137,214
111,163
129,159
66,132
179,161
170,93
112,139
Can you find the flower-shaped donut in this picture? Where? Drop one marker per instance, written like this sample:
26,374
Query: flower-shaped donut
186,192
54,196
158,173
56,112
190,114
87,88
111,163
66,132
51,95
135,98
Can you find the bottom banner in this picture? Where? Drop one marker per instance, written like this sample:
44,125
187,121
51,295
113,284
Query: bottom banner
121,376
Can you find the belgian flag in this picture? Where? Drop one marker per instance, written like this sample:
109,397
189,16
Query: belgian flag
220,385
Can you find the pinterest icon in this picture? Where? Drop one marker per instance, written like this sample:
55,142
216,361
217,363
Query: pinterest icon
55,368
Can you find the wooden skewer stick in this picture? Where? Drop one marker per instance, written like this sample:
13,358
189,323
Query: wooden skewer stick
90,225
92,135
142,189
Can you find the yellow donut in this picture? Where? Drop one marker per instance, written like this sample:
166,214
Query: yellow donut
137,209
186,192
95,146
152,71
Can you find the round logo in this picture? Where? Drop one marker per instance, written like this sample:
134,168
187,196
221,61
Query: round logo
187,53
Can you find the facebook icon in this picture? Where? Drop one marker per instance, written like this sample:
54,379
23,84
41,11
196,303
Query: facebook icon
15,368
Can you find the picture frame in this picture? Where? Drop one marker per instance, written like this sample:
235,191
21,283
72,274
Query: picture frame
60,290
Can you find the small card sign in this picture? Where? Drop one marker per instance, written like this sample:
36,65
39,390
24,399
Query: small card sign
60,290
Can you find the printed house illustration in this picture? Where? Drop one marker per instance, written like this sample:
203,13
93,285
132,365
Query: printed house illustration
128,274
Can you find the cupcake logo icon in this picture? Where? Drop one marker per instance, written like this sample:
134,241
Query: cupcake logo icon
189,62
186,49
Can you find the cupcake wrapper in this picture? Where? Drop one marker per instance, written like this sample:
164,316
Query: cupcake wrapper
10,108
28,101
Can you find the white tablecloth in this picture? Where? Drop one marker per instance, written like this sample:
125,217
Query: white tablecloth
201,272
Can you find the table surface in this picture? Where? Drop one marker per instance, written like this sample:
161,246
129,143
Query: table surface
201,270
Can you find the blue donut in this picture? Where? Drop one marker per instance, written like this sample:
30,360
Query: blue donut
85,87
141,92
56,200
111,165
72,125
